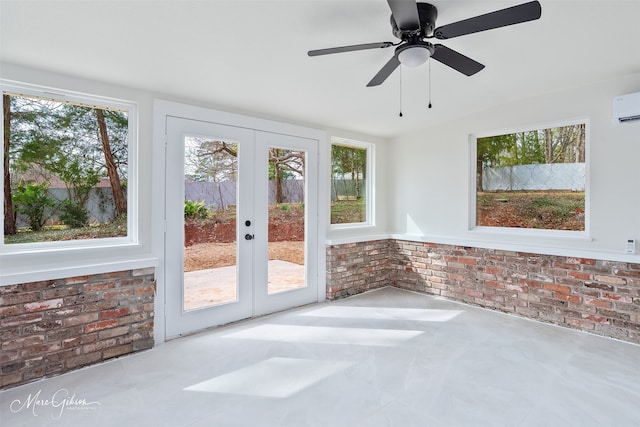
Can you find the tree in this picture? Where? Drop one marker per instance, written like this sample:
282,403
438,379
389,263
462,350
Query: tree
349,161
488,154
120,201
282,165
33,201
9,216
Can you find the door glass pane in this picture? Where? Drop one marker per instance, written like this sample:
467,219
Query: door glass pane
286,246
210,189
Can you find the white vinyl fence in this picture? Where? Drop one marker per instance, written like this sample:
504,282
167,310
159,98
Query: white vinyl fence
550,176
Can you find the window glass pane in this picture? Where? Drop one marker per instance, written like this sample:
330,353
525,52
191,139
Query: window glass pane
534,179
286,230
210,228
67,170
348,184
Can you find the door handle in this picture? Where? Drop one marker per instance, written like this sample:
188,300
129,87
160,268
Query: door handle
248,236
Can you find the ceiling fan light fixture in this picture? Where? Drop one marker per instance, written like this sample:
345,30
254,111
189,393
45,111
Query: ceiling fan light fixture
414,56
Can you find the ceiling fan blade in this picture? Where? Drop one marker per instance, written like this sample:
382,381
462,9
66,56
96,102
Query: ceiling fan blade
385,72
501,18
405,13
456,60
349,48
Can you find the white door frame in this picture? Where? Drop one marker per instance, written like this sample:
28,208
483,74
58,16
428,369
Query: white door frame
163,109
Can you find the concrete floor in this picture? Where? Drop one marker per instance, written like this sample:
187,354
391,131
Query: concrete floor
384,358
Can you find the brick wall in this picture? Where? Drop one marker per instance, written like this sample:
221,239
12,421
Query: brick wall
357,267
55,326
597,296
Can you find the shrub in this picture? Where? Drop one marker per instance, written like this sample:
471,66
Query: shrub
33,201
73,215
195,209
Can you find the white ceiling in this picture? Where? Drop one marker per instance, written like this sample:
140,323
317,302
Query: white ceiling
250,56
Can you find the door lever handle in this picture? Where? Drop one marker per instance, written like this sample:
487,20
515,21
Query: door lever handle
248,236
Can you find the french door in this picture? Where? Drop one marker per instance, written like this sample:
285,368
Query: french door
241,232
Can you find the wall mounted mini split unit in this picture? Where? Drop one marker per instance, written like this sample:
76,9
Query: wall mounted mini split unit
626,108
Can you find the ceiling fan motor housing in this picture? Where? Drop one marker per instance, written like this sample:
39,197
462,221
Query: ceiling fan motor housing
427,13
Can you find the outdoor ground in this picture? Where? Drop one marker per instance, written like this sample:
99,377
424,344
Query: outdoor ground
561,210
209,243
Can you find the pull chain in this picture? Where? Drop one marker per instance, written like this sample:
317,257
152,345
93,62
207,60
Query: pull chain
429,84
400,91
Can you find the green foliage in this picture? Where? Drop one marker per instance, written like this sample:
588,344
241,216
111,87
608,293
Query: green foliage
285,207
33,201
50,139
195,209
73,214
559,208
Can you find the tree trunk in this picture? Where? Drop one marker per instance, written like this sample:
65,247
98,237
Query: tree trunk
278,178
9,216
479,183
119,198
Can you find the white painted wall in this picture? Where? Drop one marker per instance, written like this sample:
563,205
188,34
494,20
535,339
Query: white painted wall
149,250
430,191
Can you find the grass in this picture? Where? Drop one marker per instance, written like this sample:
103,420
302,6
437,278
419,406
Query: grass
56,233
348,211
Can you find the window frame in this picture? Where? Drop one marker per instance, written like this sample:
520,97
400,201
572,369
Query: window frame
62,95
369,183
515,231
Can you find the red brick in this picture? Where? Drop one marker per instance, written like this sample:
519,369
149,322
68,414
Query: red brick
581,275
11,310
113,332
76,280
85,359
43,305
121,293
583,261
557,288
597,319
19,343
36,286
569,298
100,286
626,273
580,323
494,284
60,292
21,319
615,297
80,319
98,345
566,266
117,351
9,356
151,289
98,326
494,270
597,302
110,314
611,280
19,298
71,342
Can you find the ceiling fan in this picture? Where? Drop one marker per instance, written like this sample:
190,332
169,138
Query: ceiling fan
413,23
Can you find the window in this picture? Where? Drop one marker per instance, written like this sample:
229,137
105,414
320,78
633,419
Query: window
351,186
67,167
532,179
